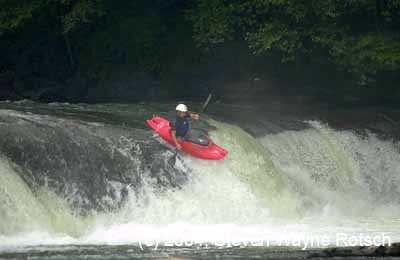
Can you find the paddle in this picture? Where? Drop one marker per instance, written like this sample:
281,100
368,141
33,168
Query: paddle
205,104
172,160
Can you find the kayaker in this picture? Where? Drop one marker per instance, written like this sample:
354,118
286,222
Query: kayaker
181,126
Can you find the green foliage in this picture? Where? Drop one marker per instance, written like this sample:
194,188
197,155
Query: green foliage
56,40
13,13
212,23
125,38
275,37
366,54
361,36
81,11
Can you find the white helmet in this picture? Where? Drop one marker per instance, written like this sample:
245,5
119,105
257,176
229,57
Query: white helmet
181,108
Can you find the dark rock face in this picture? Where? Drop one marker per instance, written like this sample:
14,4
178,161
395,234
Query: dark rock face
91,165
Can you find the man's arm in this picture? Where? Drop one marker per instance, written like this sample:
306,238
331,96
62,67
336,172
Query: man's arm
173,135
177,144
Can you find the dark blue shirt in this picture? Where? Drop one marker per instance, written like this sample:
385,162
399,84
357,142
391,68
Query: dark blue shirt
181,125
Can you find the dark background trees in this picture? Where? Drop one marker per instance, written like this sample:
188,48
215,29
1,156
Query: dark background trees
101,50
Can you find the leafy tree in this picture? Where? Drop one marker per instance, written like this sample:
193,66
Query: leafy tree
212,22
69,13
360,36
80,11
13,13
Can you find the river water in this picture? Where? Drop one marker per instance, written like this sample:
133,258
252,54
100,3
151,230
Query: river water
93,182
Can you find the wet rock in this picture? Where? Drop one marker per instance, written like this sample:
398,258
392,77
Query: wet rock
359,251
91,165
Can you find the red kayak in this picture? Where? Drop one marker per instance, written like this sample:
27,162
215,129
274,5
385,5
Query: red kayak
197,144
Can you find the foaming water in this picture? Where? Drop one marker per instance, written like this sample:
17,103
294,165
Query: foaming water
290,185
338,172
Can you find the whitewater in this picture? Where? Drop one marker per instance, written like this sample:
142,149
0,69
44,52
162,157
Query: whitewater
281,188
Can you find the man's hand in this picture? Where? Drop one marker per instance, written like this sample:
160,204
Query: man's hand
177,144
194,116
